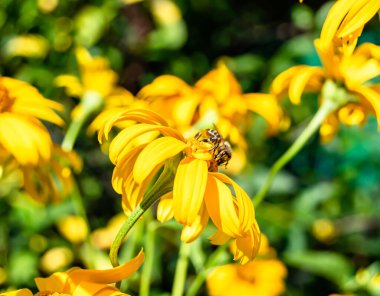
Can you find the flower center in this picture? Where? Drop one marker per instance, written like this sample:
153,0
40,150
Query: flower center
5,100
209,145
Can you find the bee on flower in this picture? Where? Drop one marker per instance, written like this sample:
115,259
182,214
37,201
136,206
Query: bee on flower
197,193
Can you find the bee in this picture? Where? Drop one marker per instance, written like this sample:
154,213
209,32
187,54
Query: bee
221,149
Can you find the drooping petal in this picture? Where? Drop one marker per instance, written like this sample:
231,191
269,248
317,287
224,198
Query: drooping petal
268,107
71,83
351,114
248,246
95,289
299,82
219,238
188,189
104,276
155,154
191,232
57,282
165,209
372,97
243,202
329,128
221,208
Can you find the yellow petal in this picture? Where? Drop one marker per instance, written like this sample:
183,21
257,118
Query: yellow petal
358,18
219,238
26,139
247,247
165,209
372,97
188,189
329,128
71,83
351,114
191,232
105,276
154,155
221,208
268,107
139,115
282,80
243,202
57,282
299,82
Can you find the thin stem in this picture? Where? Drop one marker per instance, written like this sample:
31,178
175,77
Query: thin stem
164,184
181,269
90,103
325,109
147,271
201,276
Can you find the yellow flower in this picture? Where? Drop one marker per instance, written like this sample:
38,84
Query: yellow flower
199,191
22,133
97,83
263,276
27,45
352,71
217,99
73,228
82,282
52,179
345,22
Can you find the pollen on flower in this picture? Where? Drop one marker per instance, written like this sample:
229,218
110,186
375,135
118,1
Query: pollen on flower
209,145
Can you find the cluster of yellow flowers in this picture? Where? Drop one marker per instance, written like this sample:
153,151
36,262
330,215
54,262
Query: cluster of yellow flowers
179,133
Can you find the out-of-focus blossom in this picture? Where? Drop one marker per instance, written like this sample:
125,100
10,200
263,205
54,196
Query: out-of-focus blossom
102,238
83,282
52,179
199,191
73,228
263,276
47,6
56,259
28,45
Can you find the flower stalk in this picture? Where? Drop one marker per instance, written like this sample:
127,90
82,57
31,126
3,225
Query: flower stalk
164,184
181,269
334,97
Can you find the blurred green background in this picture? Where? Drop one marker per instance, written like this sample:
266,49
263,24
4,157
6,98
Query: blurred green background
322,213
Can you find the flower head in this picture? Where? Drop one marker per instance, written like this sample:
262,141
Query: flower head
22,134
83,282
217,99
346,75
199,191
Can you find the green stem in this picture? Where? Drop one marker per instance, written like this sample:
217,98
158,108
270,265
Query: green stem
181,269
201,276
325,109
163,185
90,103
147,271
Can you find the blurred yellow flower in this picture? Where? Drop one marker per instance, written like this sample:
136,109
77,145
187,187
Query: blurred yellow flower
73,228
217,99
52,179
102,238
97,84
82,282
353,72
22,133
199,191
27,45
263,276
56,259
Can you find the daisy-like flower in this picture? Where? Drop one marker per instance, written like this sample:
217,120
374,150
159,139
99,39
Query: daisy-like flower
217,99
22,134
53,179
199,191
348,77
97,84
83,282
263,276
